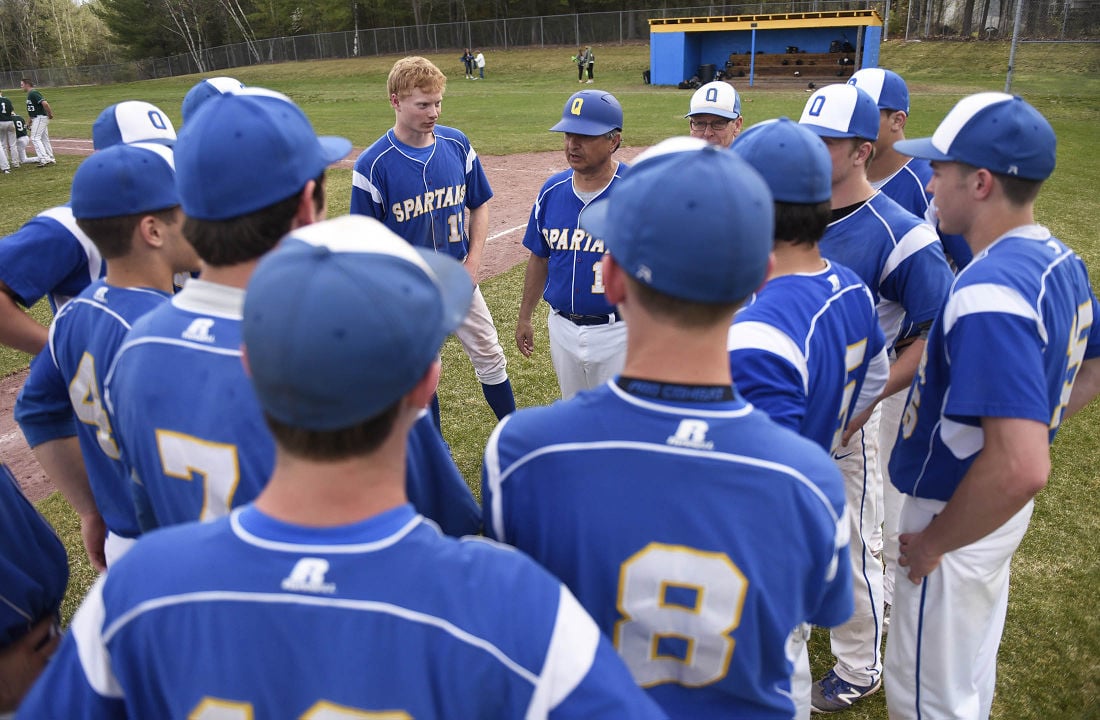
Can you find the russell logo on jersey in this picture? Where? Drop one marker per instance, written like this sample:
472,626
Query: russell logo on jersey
308,576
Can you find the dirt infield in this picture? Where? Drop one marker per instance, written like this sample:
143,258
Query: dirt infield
515,180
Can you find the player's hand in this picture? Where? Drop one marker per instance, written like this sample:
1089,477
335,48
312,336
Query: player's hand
856,423
23,661
913,554
525,337
94,534
471,271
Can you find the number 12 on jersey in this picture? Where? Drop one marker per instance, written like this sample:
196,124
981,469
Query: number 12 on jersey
679,607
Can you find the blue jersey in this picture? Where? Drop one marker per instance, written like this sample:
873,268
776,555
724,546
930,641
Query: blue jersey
661,516
908,187
1018,323
574,282
251,617
194,434
84,338
897,255
49,256
422,193
808,351
34,569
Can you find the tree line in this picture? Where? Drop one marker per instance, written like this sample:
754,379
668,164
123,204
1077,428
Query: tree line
68,33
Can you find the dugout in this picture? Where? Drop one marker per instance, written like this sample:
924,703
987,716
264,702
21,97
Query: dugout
829,46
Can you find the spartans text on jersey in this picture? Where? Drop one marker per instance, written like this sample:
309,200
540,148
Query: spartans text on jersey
432,200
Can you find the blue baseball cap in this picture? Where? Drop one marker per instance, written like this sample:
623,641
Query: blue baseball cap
132,121
244,151
841,111
590,112
126,179
343,318
690,220
885,87
992,130
792,160
206,89
716,98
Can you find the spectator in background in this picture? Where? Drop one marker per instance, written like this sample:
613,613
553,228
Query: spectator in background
480,62
589,61
468,62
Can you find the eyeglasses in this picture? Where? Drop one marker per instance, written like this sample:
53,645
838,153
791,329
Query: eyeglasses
715,125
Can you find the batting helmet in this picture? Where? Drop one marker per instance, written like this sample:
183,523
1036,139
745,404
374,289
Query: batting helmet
590,112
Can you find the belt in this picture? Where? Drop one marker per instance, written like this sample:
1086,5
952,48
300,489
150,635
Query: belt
592,319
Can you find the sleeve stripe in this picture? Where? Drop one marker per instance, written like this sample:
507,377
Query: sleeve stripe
360,181
752,335
918,238
569,657
495,480
988,298
91,648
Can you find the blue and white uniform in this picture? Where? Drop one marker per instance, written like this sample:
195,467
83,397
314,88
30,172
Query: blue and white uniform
49,256
655,504
1029,304
1025,302
808,351
897,255
251,617
587,335
34,569
901,260
69,379
422,194
193,433
908,187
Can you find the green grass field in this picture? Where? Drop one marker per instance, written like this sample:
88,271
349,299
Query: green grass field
1050,655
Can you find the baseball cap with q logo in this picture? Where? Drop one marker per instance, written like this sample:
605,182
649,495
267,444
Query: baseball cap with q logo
841,111
716,98
590,112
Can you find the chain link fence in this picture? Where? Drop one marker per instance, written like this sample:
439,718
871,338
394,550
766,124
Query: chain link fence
988,19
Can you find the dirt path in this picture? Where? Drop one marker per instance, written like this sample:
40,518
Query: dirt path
515,179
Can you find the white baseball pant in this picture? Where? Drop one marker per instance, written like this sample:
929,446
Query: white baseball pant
23,142
893,408
40,137
941,653
478,336
8,145
585,356
801,680
856,644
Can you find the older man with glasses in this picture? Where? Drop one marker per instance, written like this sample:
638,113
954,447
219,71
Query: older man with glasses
715,114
